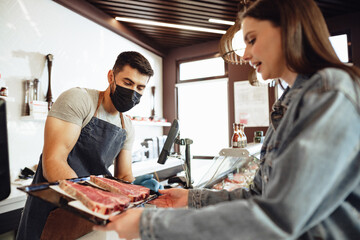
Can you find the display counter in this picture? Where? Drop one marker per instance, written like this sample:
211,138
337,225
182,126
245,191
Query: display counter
10,210
11,207
203,172
162,171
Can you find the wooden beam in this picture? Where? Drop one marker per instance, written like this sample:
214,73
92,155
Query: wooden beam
167,7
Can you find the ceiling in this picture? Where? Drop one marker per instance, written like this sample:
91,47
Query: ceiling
194,13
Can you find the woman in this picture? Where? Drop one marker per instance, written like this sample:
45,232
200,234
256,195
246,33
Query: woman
308,184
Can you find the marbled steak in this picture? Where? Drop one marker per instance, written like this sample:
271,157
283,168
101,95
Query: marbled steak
95,199
134,192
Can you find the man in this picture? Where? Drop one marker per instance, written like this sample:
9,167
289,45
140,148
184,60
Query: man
85,133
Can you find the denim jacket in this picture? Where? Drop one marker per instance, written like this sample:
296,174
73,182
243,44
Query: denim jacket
308,183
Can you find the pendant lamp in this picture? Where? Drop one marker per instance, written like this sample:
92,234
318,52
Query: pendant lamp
231,45
226,48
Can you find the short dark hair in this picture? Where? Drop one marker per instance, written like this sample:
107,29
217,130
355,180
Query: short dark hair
134,60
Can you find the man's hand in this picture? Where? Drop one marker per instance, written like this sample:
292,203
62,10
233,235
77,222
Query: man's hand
172,198
127,224
149,182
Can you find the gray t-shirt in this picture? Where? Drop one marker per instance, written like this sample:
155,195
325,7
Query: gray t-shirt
78,106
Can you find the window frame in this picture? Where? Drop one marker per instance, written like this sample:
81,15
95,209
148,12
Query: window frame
179,82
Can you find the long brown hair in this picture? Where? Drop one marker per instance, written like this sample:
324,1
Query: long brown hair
305,35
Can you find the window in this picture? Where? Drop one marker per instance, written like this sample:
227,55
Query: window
202,68
203,105
341,46
203,115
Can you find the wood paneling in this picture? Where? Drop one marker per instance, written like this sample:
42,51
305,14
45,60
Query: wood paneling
194,13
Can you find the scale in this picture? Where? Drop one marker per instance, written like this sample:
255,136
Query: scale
173,137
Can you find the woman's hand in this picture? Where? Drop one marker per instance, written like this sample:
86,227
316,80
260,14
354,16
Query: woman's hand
174,198
127,224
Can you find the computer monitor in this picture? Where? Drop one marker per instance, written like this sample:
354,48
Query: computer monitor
173,132
4,154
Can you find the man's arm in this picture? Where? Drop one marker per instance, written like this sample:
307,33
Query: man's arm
122,166
60,138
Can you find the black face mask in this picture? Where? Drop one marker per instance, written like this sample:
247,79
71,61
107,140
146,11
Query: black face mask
124,99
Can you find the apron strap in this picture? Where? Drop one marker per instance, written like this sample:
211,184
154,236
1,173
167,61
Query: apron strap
101,97
122,120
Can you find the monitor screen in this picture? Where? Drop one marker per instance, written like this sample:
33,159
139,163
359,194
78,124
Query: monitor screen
4,154
173,133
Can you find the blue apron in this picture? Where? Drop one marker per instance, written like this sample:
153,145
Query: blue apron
98,145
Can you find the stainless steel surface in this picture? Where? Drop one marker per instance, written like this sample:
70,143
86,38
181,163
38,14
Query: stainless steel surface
15,201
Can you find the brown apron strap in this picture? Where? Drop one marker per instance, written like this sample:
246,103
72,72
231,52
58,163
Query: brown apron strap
101,97
122,121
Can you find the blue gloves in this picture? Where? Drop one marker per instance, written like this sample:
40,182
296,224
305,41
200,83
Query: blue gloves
149,182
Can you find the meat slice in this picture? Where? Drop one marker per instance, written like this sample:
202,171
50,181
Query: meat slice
96,200
237,178
134,192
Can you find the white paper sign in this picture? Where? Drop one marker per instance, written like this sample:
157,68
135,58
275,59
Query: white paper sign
251,104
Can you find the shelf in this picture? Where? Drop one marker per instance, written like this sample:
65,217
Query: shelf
149,123
8,99
34,118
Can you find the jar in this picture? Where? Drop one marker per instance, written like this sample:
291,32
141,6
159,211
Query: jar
4,91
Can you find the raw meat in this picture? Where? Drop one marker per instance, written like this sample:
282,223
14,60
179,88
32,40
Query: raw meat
237,178
134,192
227,186
95,199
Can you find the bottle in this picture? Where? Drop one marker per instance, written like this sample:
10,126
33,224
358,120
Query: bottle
258,136
235,140
243,136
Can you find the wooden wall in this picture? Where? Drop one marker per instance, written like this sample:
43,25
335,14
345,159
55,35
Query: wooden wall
235,73
349,23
